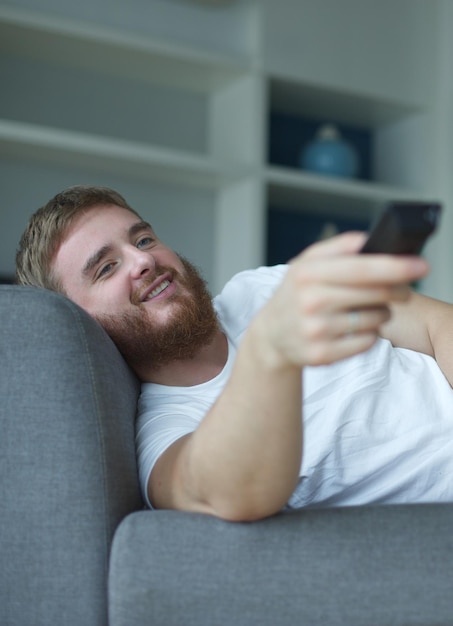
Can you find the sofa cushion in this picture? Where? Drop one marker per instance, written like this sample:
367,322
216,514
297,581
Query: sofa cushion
356,566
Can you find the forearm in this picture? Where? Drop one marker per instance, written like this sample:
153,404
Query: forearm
243,461
439,316
425,325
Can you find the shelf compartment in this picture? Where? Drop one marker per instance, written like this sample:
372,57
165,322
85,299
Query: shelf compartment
374,126
81,44
324,103
127,158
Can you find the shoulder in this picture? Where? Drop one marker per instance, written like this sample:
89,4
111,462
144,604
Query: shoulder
246,293
260,280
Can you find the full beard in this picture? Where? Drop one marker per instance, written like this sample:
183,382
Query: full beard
191,325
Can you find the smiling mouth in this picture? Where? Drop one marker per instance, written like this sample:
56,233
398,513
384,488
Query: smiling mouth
157,290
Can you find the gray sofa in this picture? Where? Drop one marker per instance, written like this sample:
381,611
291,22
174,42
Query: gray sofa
79,549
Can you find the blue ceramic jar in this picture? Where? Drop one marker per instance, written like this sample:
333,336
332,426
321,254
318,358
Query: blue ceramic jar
330,154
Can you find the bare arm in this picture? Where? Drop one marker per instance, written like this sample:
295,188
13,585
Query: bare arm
243,461
425,325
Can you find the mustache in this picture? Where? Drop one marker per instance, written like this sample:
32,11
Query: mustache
136,297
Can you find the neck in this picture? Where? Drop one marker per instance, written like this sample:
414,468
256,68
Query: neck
205,365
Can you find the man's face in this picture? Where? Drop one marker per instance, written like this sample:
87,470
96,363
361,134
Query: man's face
150,300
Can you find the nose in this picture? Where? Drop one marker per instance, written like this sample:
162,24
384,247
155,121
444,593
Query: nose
142,262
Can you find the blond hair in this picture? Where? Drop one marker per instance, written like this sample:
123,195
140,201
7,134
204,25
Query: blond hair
47,228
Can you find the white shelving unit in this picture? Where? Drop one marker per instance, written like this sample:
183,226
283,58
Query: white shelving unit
114,155
191,139
105,51
327,195
110,50
296,189
182,129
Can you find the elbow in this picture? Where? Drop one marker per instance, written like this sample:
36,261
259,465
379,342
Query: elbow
237,515
249,509
254,500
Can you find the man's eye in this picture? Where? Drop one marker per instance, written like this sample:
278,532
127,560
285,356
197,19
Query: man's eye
105,269
144,242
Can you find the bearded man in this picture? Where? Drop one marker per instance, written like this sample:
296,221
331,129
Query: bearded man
325,382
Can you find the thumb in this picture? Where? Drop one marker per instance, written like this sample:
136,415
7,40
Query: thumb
345,243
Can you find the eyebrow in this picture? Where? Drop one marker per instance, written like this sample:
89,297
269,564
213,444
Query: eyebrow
97,257
138,227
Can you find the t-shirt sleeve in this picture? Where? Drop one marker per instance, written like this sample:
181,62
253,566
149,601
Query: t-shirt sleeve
245,294
155,432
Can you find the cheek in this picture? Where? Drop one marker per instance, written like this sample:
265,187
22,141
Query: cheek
168,258
80,297
102,302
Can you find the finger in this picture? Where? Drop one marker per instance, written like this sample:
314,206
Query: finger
327,299
326,328
361,270
345,243
359,321
325,353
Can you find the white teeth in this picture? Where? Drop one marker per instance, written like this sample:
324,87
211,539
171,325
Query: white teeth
163,285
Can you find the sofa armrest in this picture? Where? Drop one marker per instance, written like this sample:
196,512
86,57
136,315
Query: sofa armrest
67,459
389,565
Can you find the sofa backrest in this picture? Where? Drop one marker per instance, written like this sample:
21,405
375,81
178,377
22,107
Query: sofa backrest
68,472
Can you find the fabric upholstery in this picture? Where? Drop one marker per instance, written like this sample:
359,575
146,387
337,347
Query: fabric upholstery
68,485
339,567
67,460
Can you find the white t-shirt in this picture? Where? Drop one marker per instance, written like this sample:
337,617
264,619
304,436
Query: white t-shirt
378,427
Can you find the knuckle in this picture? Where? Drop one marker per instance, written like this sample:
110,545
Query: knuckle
320,354
315,329
311,302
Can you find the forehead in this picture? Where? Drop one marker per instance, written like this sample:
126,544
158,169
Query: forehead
97,227
107,219
105,223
